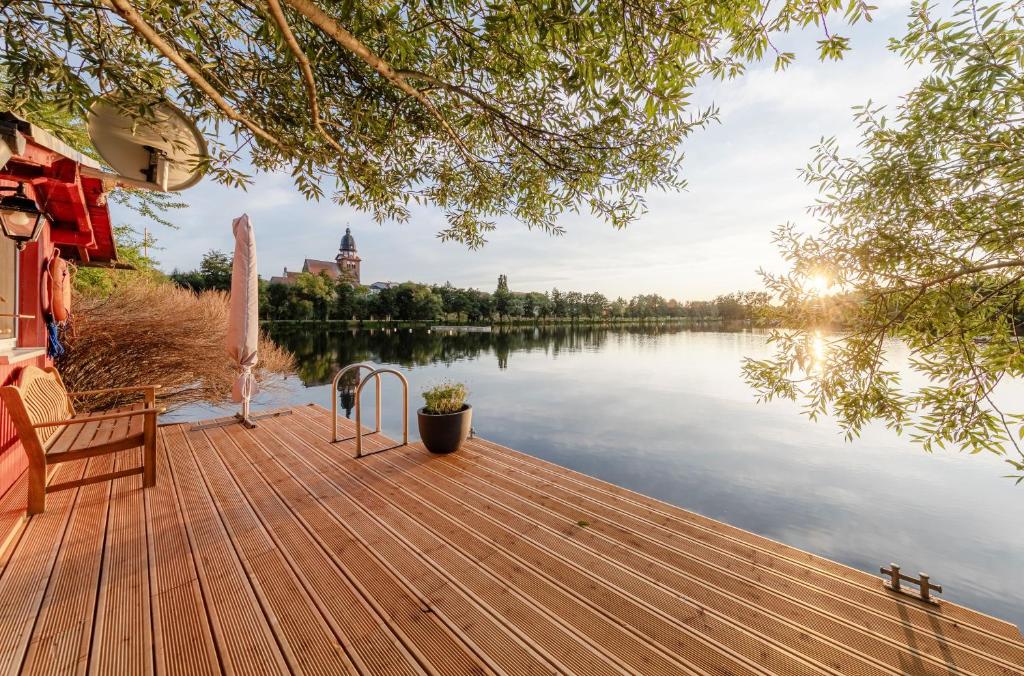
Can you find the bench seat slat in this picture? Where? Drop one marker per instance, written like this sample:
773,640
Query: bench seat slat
82,435
67,437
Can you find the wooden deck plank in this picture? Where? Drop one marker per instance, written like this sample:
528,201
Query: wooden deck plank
274,551
341,521
582,599
864,642
13,520
802,564
377,641
568,540
929,651
557,551
183,637
244,639
632,651
122,633
630,548
872,613
45,620
302,632
442,557
27,573
62,636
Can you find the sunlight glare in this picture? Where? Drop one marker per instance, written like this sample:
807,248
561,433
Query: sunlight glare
819,350
818,284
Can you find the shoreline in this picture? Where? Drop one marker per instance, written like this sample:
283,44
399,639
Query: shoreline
514,323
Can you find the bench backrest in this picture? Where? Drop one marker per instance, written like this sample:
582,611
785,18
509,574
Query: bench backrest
39,396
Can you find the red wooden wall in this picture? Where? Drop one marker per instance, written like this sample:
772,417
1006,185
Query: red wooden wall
31,333
77,221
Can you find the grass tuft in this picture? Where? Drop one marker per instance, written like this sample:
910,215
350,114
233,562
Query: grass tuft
146,332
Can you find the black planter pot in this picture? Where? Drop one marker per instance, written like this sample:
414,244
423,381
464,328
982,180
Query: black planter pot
444,433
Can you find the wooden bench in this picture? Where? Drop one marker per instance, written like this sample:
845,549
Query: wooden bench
52,432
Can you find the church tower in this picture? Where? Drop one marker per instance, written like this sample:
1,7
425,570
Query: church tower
348,259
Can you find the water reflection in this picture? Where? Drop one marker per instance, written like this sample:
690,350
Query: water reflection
321,353
819,350
664,411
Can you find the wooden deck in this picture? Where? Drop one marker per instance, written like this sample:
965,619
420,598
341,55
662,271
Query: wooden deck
273,551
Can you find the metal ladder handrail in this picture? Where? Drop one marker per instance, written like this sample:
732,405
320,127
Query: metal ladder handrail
334,396
376,373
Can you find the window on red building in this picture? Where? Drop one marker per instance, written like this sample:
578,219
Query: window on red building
8,293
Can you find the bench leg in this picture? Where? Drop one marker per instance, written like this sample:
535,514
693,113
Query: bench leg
149,452
36,489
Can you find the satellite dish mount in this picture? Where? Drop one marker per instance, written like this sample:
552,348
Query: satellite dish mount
156,172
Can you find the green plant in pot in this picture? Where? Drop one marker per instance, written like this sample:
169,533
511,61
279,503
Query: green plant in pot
446,418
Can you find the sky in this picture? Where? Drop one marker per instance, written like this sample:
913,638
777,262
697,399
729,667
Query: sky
712,238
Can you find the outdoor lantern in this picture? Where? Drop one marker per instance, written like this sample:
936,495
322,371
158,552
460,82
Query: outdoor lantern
20,218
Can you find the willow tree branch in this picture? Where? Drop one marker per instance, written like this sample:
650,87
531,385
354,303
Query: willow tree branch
962,272
307,71
478,100
343,37
986,393
126,11
510,119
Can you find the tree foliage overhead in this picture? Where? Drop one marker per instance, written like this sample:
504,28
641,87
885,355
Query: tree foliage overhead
922,235
486,108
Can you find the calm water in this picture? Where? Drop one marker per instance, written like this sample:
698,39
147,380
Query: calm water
666,413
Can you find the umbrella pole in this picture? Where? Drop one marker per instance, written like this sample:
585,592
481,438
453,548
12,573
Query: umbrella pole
243,417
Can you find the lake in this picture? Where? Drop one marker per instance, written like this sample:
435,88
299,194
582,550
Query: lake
664,411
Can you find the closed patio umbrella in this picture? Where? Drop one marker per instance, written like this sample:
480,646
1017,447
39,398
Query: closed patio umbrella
243,316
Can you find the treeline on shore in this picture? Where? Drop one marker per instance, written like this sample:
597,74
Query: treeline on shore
317,297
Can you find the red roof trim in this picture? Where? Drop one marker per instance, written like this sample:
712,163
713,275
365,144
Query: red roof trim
74,205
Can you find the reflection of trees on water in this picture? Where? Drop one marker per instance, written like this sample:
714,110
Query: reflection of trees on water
321,351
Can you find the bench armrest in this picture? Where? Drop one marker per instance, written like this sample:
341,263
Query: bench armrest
135,388
149,410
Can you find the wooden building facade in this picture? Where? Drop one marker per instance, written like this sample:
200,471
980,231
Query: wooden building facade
77,227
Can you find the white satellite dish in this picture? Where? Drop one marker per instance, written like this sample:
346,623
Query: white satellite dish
161,152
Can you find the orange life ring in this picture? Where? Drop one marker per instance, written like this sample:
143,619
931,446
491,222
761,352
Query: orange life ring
60,288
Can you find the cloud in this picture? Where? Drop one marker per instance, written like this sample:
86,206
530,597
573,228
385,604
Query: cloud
267,199
811,90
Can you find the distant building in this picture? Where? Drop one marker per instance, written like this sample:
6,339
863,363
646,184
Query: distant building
377,287
344,266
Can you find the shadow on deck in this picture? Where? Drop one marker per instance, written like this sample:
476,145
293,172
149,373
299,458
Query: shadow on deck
274,551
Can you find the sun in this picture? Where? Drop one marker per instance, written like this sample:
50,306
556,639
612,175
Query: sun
818,284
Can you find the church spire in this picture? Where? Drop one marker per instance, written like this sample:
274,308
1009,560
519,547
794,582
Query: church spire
348,242
347,258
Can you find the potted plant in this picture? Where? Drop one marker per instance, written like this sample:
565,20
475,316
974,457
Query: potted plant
446,419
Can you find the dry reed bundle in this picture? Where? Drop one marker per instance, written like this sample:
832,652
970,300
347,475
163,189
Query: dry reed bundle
147,332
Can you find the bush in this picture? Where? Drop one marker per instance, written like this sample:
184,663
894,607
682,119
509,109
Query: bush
142,331
445,398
